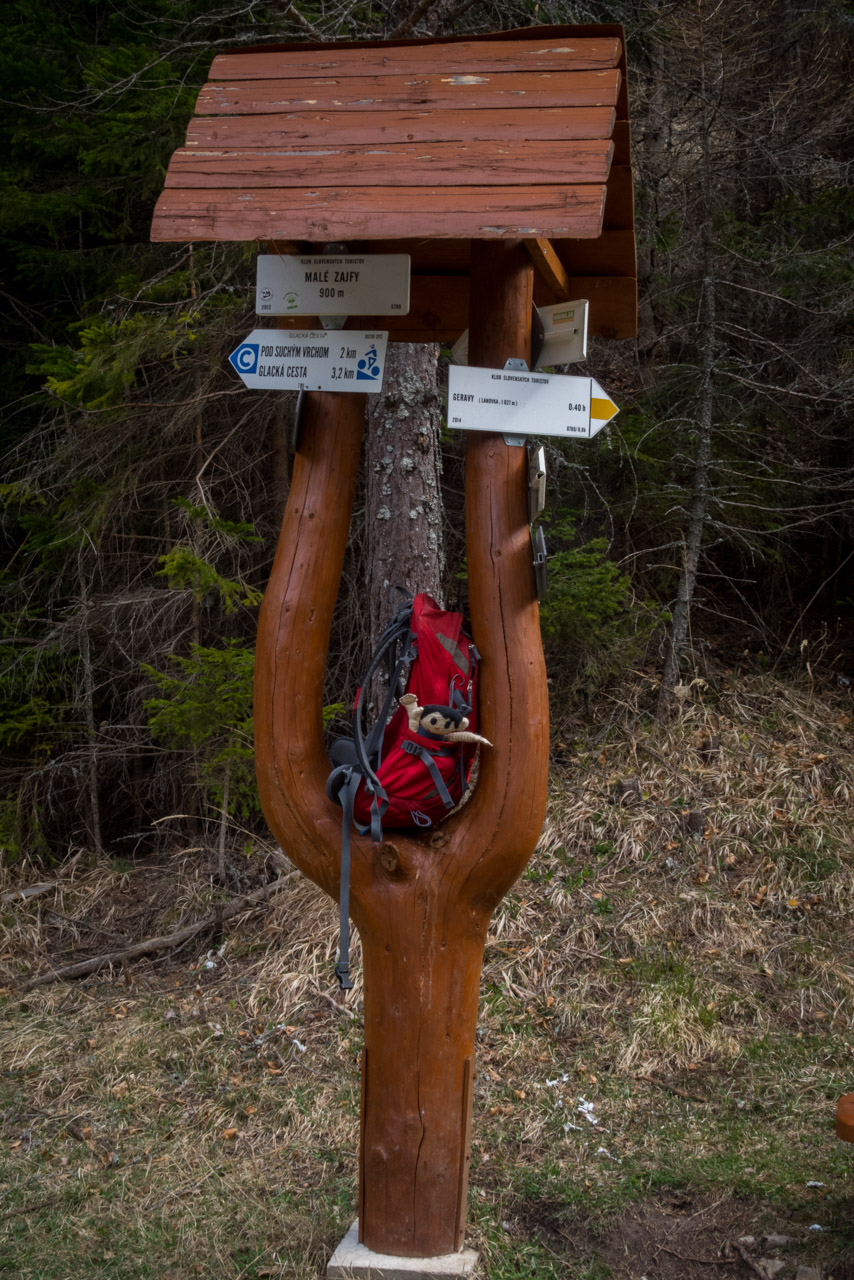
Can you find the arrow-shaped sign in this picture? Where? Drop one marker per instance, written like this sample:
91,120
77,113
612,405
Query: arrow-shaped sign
514,402
311,360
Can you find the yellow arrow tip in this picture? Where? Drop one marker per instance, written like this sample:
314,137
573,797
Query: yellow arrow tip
603,410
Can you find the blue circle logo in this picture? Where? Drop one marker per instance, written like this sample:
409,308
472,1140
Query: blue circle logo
245,358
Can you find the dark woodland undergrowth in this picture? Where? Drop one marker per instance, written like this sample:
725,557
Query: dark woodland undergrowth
666,1016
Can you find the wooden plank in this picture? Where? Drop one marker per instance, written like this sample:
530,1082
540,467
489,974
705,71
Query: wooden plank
599,31
397,93
619,200
536,53
611,254
438,163
355,212
549,266
329,128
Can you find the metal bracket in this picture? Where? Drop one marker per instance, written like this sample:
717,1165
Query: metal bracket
541,573
536,481
538,335
296,423
516,365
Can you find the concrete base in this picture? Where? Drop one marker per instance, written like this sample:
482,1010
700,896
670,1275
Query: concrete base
352,1261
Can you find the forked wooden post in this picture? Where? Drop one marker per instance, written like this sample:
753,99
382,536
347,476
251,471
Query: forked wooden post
498,152
422,904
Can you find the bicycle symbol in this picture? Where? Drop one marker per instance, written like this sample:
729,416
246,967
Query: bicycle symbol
368,369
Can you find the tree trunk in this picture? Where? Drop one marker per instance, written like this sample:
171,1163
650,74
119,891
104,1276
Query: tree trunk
656,158
223,819
699,504
403,521
89,713
705,415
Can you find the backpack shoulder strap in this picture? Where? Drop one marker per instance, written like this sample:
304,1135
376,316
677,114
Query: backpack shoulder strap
346,795
390,652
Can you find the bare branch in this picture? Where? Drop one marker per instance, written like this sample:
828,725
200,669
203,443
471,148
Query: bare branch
164,943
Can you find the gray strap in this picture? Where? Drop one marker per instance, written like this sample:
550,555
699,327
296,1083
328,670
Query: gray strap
438,781
347,795
379,804
459,702
374,740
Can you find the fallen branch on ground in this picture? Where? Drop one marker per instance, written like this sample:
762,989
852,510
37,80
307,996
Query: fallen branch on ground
31,1208
44,886
31,891
672,1088
163,943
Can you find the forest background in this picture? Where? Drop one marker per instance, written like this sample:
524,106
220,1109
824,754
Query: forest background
667,992
143,487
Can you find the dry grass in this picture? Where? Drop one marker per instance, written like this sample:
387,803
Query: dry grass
677,964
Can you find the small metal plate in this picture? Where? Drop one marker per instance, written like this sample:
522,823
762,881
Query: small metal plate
541,573
536,481
517,364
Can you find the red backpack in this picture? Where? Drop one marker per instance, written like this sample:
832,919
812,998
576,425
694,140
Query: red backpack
413,767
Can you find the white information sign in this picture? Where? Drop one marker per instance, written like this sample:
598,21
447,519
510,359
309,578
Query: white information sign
517,403
345,284
564,333
311,360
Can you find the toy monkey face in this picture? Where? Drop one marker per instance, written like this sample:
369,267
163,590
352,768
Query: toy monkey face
436,722
442,720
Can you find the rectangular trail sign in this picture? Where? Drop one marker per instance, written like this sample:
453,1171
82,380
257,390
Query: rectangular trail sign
311,360
513,402
322,285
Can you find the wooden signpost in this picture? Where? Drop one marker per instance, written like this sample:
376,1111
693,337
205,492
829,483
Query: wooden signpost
500,165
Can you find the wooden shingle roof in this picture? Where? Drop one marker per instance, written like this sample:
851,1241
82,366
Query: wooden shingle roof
421,146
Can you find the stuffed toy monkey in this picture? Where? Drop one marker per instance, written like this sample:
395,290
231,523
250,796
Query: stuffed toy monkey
441,722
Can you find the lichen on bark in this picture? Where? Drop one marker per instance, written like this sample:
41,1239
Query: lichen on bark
404,545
